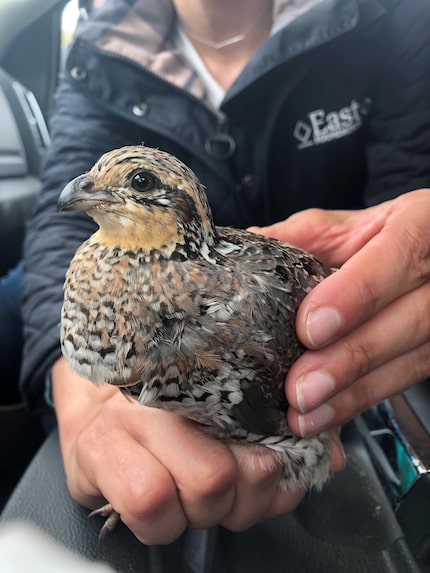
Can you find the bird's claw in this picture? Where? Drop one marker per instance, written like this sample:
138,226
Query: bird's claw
112,519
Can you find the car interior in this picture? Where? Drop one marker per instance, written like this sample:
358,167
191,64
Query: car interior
372,517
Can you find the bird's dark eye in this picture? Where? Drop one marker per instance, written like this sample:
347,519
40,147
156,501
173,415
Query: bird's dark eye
142,181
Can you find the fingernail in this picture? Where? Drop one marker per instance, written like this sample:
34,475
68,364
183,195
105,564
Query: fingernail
316,421
314,388
322,325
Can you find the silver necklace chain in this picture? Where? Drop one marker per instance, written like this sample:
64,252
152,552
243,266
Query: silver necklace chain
222,43
215,45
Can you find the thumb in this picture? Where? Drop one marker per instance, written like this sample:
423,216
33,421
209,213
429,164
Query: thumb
331,236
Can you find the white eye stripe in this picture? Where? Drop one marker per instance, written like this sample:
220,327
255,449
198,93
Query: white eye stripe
163,201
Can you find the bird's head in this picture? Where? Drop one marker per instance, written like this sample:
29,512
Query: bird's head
143,199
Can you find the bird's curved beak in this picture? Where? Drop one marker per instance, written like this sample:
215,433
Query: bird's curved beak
80,195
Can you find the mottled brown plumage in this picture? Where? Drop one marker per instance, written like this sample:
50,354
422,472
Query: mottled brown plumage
184,315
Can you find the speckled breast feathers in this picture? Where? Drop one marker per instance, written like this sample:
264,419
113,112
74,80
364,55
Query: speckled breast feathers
184,315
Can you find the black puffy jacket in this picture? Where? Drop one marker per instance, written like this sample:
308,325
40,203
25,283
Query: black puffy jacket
333,111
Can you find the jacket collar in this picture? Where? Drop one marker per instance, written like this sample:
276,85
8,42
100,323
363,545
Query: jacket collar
322,24
142,31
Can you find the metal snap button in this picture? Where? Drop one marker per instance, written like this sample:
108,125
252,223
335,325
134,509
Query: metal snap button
220,146
78,73
139,109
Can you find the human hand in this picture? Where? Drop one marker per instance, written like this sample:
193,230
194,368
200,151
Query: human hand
368,325
157,469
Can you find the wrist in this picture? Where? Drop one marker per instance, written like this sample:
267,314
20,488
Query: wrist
77,401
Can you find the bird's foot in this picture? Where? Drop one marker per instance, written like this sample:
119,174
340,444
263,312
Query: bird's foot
112,519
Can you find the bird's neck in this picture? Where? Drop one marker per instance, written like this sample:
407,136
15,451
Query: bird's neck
156,239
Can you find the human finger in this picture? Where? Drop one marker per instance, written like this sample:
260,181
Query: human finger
142,491
109,461
261,491
399,328
338,459
203,468
392,263
258,479
381,383
333,236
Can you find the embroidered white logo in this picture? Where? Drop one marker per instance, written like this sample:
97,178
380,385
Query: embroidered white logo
322,127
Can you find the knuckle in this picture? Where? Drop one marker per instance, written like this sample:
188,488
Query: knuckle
212,482
152,512
368,296
318,216
236,525
359,357
146,501
415,248
422,308
240,519
261,467
161,532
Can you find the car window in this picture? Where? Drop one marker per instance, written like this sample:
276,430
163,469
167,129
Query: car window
69,21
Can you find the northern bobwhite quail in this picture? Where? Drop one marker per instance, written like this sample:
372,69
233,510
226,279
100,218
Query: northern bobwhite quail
184,315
